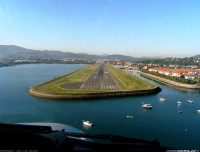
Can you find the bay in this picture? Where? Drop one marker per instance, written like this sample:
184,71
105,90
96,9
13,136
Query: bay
163,122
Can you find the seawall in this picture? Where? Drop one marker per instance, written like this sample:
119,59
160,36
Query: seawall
169,82
111,94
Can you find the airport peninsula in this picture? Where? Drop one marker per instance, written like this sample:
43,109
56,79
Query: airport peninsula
94,81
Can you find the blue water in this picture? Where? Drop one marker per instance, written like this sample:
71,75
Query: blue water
108,115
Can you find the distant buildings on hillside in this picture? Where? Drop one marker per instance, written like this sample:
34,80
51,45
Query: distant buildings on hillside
187,73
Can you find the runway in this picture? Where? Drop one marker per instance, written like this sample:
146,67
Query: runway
100,79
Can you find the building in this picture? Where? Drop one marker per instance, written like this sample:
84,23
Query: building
188,73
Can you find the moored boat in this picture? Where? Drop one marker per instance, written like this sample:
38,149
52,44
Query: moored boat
147,106
129,117
190,101
178,102
162,99
87,123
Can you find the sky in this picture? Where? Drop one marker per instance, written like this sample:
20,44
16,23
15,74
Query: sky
138,28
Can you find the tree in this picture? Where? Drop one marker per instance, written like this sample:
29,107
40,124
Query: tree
182,76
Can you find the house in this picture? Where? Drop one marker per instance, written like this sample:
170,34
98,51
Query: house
190,74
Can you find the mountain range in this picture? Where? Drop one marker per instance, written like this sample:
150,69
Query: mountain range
13,51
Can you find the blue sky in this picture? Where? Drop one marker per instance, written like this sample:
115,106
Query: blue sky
166,28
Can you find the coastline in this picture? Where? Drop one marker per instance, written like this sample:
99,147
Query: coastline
169,82
109,94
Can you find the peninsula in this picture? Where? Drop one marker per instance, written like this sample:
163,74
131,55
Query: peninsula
94,81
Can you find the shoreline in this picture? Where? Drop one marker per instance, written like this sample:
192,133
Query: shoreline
110,94
169,82
77,93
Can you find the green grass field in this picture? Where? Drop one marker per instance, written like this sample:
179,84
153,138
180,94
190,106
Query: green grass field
128,81
125,80
53,86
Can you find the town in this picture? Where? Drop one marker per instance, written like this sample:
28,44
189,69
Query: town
188,70
184,72
178,72
17,61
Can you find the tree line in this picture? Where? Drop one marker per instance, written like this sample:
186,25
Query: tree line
168,61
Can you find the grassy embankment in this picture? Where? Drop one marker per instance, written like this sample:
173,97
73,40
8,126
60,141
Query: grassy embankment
53,86
128,81
125,80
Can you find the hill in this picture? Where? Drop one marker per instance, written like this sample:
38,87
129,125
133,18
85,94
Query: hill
169,61
12,51
196,56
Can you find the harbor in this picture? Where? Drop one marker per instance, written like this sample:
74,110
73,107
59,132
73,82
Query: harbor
109,115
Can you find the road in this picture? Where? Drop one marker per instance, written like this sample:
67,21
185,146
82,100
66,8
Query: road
100,79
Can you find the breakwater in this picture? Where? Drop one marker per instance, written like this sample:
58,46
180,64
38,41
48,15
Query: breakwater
170,82
110,94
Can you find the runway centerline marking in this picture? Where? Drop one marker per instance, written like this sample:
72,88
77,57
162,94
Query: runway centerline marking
100,79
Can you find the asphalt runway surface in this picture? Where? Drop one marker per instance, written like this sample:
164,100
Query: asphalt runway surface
100,79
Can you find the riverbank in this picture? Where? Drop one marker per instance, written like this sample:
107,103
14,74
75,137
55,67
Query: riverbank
54,88
169,82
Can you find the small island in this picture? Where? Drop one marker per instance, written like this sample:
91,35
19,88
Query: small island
94,81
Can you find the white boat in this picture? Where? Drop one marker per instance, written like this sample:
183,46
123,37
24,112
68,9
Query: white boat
162,99
178,102
87,123
146,106
198,111
129,117
190,101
